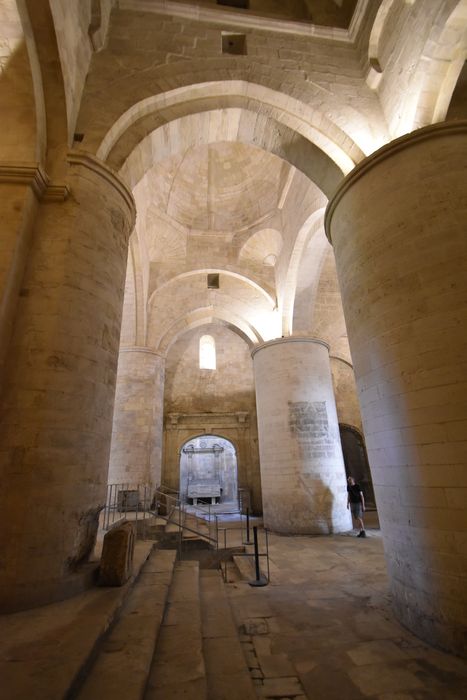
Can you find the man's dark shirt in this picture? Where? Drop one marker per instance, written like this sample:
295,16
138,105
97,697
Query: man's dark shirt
354,493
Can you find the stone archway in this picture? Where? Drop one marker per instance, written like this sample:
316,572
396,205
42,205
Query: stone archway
356,460
208,471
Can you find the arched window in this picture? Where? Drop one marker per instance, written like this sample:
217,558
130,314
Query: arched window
207,352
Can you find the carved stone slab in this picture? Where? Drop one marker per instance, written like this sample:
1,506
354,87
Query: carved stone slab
117,555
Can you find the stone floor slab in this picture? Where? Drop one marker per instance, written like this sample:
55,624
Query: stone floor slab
378,651
275,665
281,687
374,679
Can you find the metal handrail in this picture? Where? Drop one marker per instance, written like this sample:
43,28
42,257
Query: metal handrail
260,579
121,499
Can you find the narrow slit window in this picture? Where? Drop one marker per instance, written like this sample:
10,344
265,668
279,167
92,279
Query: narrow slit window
207,352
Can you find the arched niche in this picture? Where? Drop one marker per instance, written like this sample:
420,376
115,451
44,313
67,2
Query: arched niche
356,460
208,471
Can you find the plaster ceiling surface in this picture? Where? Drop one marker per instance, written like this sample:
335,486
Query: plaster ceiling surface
217,187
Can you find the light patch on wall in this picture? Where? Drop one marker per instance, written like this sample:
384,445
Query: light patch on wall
207,352
269,324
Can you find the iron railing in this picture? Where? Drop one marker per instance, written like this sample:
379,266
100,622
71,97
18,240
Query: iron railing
140,502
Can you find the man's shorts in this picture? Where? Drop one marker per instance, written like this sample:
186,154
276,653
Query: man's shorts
356,509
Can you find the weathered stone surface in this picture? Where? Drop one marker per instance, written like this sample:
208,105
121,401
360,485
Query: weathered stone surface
413,400
57,407
231,160
302,468
135,451
117,555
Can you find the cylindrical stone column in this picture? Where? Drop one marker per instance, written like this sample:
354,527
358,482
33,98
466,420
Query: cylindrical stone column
398,227
58,394
302,468
136,448
21,188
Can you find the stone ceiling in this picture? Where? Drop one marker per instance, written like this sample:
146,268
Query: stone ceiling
217,187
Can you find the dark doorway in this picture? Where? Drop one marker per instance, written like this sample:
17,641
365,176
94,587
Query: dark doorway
356,461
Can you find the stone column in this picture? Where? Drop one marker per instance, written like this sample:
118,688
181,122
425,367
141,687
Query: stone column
136,449
22,187
302,469
57,399
398,227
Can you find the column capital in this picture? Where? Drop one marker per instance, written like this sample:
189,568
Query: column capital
426,133
290,339
86,160
34,175
141,349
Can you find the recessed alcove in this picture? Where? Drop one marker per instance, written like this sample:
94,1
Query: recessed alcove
208,471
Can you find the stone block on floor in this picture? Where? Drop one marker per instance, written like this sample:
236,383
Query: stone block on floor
117,555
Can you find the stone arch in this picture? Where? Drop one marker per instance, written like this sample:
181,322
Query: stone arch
378,31
231,491
262,246
444,57
148,114
240,125
195,434
240,302
21,90
356,460
133,330
95,25
206,271
312,224
49,89
299,96
202,316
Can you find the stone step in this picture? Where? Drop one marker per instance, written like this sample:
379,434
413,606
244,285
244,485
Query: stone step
227,673
124,659
45,652
178,669
177,518
149,528
246,566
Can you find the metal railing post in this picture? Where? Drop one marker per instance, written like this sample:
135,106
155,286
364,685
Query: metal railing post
267,552
260,580
248,541
180,533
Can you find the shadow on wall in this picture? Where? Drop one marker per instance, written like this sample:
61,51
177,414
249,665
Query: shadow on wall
320,506
326,503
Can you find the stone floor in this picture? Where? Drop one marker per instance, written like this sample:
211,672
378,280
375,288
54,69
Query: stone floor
323,629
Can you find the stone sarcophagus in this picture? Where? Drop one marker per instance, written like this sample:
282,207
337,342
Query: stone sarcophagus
204,489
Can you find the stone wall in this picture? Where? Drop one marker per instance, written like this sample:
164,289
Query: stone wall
219,402
81,28
18,137
136,448
169,52
345,391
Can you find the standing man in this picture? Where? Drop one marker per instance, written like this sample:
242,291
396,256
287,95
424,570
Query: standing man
356,502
